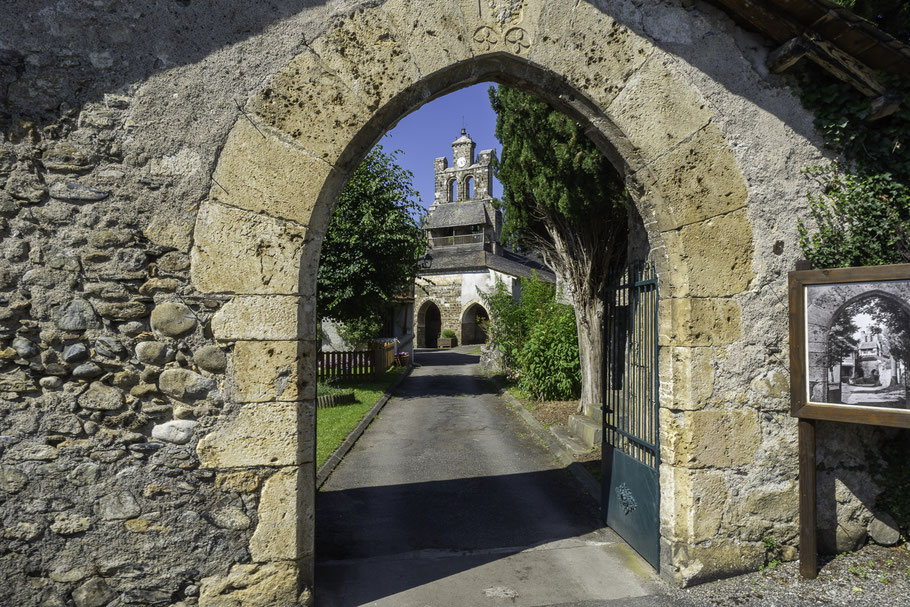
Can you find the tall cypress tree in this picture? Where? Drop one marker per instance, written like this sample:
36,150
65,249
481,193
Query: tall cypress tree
563,199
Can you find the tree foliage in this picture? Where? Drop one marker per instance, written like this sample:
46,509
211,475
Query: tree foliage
537,338
862,216
563,199
552,174
860,220
372,247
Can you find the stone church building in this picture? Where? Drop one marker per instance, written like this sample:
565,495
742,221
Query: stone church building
465,257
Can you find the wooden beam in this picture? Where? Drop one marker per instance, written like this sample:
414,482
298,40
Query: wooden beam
808,540
885,105
832,59
787,55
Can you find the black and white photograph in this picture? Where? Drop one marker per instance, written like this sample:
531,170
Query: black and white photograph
858,343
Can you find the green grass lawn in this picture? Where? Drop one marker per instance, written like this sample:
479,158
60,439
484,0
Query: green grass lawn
333,424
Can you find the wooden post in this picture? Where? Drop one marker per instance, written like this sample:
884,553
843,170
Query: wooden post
808,546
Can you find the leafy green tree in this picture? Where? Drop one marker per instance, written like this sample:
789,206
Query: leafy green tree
372,248
563,199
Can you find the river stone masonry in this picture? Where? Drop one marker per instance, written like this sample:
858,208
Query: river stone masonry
167,171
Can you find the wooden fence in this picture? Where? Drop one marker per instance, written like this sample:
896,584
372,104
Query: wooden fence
361,364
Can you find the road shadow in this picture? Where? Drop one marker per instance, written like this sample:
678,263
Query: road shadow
437,357
492,516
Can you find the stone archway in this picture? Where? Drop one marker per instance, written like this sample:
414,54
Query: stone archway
429,324
472,331
258,234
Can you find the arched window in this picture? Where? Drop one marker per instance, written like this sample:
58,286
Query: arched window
453,194
469,188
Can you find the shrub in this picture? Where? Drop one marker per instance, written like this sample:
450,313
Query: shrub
549,357
448,334
538,339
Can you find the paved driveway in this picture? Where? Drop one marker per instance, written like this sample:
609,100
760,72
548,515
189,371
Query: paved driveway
449,500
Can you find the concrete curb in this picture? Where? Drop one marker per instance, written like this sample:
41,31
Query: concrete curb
326,469
584,478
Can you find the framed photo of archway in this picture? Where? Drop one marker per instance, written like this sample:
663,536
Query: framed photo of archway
850,345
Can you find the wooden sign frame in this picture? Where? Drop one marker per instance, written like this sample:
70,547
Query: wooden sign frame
807,411
801,405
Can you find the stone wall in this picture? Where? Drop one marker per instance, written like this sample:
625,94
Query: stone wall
166,173
444,290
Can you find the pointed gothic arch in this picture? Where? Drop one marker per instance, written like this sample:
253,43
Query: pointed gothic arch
279,175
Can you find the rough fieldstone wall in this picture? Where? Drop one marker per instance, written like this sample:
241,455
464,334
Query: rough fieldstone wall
166,173
109,373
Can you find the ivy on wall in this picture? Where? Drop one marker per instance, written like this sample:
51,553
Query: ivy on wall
862,215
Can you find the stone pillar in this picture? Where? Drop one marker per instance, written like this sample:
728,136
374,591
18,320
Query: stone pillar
253,244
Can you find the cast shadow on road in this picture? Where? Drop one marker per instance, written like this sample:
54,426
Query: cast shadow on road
367,537
444,357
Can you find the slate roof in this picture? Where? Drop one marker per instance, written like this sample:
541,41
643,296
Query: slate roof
454,214
460,259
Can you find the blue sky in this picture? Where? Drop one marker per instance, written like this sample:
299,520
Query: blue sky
429,132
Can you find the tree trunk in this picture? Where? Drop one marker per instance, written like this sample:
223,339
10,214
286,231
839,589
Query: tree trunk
589,316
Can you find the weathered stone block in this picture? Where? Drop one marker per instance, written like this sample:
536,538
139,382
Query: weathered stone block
262,434
660,98
252,586
172,319
265,318
710,438
693,504
413,20
377,71
236,251
273,370
699,321
699,179
711,258
309,82
617,51
686,377
280,512
707,562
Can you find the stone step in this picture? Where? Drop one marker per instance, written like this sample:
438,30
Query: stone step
587,429
571,442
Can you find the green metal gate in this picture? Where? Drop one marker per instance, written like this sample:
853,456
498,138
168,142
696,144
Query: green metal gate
631,453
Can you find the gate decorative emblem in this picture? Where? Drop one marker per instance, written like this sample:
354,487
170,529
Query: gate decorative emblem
626,498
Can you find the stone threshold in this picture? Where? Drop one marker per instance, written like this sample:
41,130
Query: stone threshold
326,469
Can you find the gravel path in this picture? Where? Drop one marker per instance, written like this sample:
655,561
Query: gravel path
872,577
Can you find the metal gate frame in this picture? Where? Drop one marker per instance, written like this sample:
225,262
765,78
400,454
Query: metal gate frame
630,500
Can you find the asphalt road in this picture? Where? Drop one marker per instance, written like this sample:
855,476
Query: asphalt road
449,500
